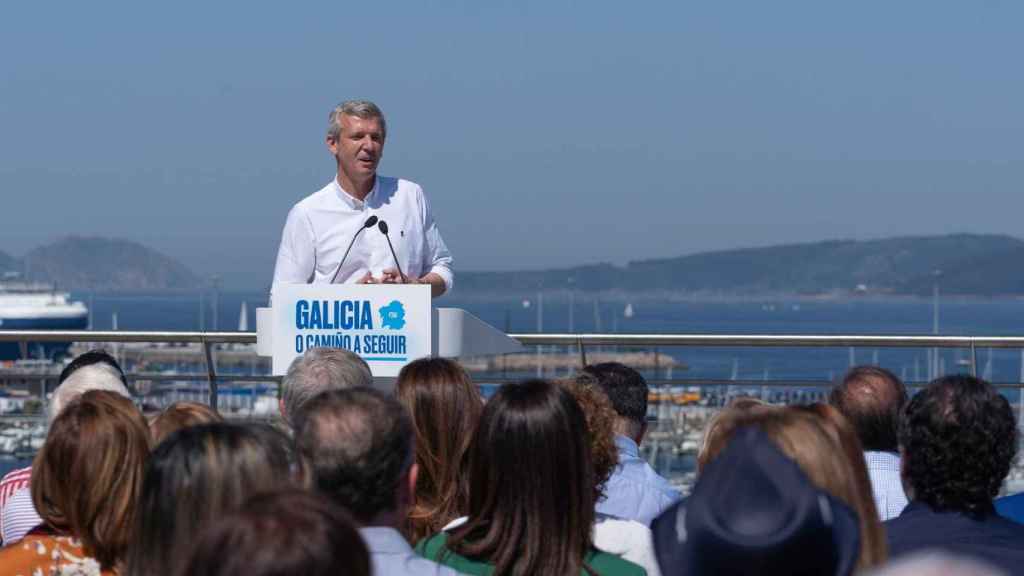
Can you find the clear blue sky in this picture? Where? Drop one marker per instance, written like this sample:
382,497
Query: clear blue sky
545,133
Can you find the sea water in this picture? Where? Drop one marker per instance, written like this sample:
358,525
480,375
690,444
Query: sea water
582,312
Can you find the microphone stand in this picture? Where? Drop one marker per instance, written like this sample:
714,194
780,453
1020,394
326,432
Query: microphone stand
383,226
369,223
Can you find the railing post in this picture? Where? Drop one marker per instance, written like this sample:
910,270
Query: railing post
211,372
974,360
583,352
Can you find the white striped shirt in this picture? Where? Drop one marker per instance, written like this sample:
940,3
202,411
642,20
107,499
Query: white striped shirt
19,516
11,483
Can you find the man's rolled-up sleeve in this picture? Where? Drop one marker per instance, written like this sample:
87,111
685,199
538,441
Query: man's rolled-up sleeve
437,259
296,257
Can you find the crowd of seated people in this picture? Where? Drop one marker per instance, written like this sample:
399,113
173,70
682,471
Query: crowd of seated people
544,478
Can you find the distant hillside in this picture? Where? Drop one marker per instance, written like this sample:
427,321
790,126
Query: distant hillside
8,263
969,264
106,264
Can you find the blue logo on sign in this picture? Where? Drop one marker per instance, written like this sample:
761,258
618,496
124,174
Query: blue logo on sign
393,315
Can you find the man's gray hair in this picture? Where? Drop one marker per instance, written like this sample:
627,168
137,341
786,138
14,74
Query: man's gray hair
97,376
360,109
320,370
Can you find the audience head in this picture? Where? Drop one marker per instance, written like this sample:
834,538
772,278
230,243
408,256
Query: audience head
958,439
600,417
320,370
627,390
754,511
531,505
93,370
357,449
871,399
445,406
87,477
280,534
716,434
807,439
181,415
195,476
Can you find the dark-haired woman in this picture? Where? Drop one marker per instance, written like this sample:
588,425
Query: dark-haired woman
288,532
445,406
531,504
194,477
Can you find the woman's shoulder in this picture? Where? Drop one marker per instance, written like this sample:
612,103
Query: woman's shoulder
47,552
435,548
607,564
431,545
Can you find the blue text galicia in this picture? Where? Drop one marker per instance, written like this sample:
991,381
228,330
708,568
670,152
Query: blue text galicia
333,315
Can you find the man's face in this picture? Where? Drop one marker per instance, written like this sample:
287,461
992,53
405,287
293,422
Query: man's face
358,147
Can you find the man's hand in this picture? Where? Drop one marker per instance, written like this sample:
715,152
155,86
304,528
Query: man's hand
391,276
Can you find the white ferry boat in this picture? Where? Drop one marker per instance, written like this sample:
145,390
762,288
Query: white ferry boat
37,306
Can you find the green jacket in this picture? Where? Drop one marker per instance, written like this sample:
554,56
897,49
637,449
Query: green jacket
605,564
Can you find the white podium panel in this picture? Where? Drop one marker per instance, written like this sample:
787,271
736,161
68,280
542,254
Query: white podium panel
458,333
388,326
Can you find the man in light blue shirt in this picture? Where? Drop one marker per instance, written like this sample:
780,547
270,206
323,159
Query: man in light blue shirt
357,448
871,399
634,491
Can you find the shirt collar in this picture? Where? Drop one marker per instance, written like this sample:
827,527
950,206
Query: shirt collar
351,201
918,507
627,446
383,539
882,458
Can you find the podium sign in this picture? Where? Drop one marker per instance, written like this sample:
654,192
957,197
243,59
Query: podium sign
387,325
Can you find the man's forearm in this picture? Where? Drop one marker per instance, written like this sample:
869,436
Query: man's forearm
437,285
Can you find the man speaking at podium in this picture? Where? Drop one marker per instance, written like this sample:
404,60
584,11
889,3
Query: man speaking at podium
362,227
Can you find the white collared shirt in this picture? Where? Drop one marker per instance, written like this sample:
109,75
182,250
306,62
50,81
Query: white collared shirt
320,227
886,486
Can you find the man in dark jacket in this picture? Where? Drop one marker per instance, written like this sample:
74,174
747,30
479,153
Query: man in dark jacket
957,439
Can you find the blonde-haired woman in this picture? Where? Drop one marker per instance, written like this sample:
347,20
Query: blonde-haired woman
814,442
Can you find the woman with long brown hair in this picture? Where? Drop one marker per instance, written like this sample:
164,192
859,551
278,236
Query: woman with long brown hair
445,406
86,481
532,491
815,442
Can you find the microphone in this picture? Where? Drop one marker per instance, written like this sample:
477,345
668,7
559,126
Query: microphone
368,224
383,226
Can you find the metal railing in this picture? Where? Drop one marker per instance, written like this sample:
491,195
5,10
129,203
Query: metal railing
207,340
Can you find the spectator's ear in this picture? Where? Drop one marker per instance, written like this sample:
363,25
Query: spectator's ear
280,407
407,488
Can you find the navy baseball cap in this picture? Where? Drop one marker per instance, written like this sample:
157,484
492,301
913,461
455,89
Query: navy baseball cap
754,512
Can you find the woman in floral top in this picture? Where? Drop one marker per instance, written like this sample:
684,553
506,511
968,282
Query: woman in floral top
85,483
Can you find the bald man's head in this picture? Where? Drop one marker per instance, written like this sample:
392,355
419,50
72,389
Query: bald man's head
871,398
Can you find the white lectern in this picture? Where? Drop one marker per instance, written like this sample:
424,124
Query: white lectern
387,325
